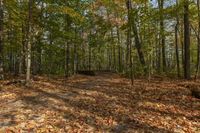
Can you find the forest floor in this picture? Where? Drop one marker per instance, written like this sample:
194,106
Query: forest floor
103,103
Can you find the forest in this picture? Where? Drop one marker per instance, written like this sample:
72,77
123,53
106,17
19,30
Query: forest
100,66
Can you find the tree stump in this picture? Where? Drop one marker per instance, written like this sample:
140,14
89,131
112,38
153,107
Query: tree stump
196,92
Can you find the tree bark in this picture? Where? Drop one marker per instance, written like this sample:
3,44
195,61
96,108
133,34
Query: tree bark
113,50
67,61
21,58
176,42
90,54
75,58
186,40
119,51
181,32
177,50
29,29
127,52
159,55
138,44
1,40
198,40
129,39
162,28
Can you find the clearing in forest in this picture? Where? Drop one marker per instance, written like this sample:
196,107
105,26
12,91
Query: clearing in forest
103,103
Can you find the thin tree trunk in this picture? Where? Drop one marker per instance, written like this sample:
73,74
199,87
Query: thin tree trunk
75,59
21,58
129,39
198,40
90,54
127,52
186,40
182,44
113,51
1,40
99,61
10,49
28,69
119,51
138,45
114,56
177,50
162,28
109,60
130,54
40,49
150,67
67,61
176,42
159,55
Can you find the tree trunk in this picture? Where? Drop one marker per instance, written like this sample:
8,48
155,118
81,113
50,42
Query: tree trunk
39,63
138,44
113,50
1,40
182,44
119,51
40,48
75,59
198,40
129,39
90,54
177,50
162,28
29,29
176,42
127,52
159,55
67,61
186,40
21,58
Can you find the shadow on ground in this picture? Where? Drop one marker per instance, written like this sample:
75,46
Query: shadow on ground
104,103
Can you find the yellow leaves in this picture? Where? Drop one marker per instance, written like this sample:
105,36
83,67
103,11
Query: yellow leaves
65,10
140,1
8,96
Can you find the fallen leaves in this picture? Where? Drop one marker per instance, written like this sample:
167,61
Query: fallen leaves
104,103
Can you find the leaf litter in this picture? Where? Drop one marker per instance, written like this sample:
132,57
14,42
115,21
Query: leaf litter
103,103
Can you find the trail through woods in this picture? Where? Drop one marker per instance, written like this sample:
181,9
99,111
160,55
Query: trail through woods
103,103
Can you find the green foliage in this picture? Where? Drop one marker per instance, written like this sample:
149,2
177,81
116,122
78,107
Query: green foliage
85,24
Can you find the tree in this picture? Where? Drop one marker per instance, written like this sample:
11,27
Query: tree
176,41
129,44
29,36
186,40
137,39
162,33
61,37
1,39
198,40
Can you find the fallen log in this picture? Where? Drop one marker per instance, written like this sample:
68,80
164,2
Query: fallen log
88,73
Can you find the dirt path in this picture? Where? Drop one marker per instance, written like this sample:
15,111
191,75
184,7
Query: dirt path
104,103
